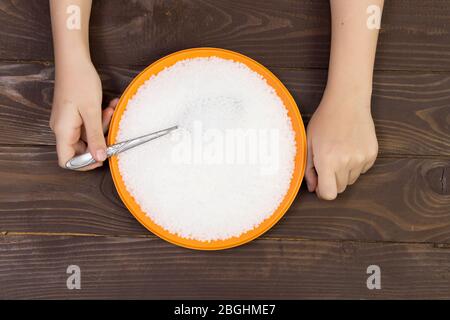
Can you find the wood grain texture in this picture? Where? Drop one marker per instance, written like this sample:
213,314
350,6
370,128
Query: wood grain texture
127,268
398,200
26,93
415,34
411,110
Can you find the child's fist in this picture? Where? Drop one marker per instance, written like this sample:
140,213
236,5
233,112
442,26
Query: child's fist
341,144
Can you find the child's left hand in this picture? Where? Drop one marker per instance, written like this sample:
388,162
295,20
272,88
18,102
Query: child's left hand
341,143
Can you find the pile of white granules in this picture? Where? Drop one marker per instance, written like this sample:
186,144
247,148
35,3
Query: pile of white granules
228,166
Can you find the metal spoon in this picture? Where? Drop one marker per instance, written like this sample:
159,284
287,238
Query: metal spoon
86,159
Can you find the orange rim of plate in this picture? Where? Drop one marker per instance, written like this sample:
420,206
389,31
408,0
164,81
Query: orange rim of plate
297,125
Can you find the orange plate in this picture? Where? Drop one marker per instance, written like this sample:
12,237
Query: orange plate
297,123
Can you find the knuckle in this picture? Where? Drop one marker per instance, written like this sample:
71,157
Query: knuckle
58,128
359,158
344,159
326,159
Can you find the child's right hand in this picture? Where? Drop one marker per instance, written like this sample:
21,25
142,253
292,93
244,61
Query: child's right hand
77,118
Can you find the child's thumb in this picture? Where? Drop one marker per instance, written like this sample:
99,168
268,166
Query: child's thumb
94,135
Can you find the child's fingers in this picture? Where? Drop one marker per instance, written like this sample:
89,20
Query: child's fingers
107,114
80,148
106,119
64,150
342,180
113,103
354,174
92,121
66,142
326,186
83,134
310,172
67,151
368,166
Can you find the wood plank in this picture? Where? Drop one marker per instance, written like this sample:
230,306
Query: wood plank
26,93
397,200
411,110
415,34
130,268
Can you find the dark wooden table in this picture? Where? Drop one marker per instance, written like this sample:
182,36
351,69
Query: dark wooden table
397,216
